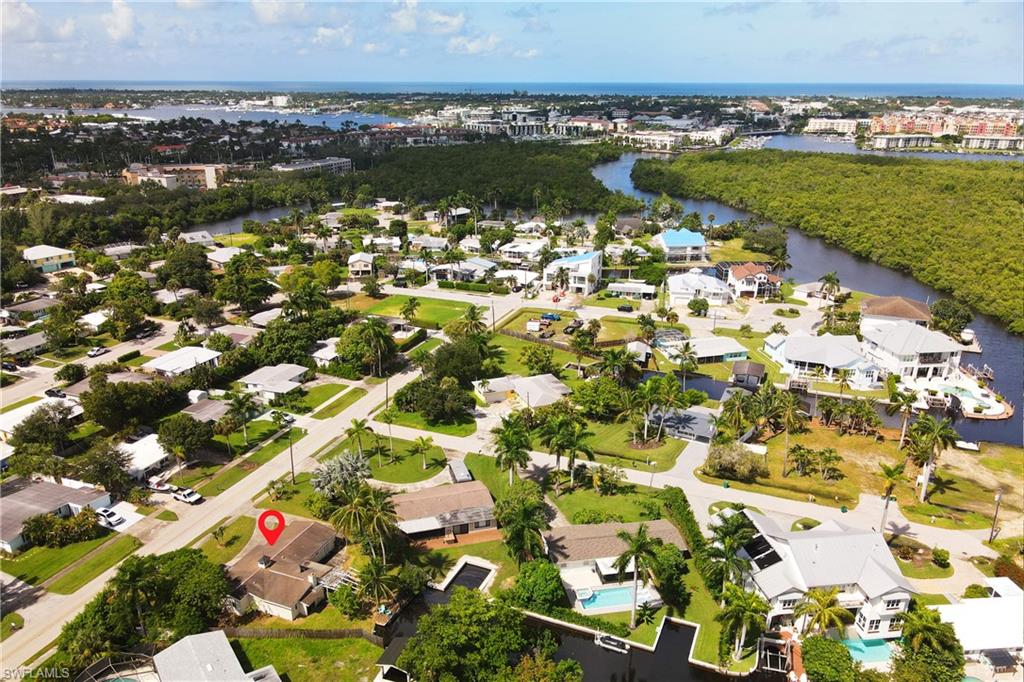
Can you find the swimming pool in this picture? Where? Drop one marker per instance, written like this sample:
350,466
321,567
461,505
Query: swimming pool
869,650
964,393
613,596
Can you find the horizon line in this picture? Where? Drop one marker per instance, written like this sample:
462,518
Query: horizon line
509,82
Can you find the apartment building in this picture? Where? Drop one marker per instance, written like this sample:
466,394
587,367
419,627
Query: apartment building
884,142
173,176
332,164
842,126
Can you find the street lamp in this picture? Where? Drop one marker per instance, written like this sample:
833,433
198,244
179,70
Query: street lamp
995,515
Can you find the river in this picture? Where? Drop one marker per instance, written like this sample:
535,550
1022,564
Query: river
812,257
818,143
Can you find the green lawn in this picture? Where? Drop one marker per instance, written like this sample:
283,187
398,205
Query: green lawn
702,610
232,475
167,515
433,312
37,564
645,633
732,250
293,498
465,426
48,364
318,395
237,238
341,404
625,504
622,328
136,362
924,570
513,347
439,561
258,431
195,474
311,660
926,599
485,470
612,444
603,299
429,345
406,468
9,623
236,535
78,351
276,446
24,401
111,553
167,347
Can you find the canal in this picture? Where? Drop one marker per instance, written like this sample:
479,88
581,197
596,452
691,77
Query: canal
812,257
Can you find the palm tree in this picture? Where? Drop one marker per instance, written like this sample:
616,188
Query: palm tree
792,418
822,610
891,476
389,416
409,308
511,445
552,436
376,584
629,258
931,437
522,518
307,297
924,627
134,581
561,279
377,336
581,344
687,359
829,285
640,551
669,398
241,406
742,610
726,563
734,412
779,262
902,402
422,446
617,362
225,426
574,442
380,517
281,422
632,411
843,379
649,394
350,517
357,430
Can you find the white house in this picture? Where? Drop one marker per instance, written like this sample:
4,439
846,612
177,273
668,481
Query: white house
273,381
326,352
262,319
584,272
535,391
198,237
467,270
520,251
522,278
91,322
615,251
383,244
632,289
470,245
167,297
752,280
147,456
717,349
695,284
909,350
207,657
681,245
989,624
426,242
182,361
785,565
220,257
23,498
531,227
801,355
46,258
360,265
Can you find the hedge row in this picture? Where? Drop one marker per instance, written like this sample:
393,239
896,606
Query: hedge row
680,512
473,286
413,340
130,355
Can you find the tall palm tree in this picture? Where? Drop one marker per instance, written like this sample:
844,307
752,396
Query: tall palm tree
892,474
388,416
617,362
552,436
742,610
640,551
351,516
522,518
726,563
843,379
931,436
629,258
561,279
581,345
380,517
574,441
409,308
632,410
924,627
821,609
829,285
648,394
422,446
687,359
377,336
357,430
376,583
241,405
779,261
225,426
133,581
734,412
281,422
902,402
511,445
792,418
669,398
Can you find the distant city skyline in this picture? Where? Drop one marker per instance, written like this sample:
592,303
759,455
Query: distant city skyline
738,42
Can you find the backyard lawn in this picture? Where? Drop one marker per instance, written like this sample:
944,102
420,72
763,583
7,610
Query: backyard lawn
464,426
702,610
433,312
632,503
311,660
238,238
36,564
612,444
109,555
439,561
732,250
485,470
405,469
341,404
236,535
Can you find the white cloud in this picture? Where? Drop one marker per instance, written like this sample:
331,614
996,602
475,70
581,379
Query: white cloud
20,21
403,52
65,30
278,11
478,45
530,53
374,48
326,36
404,19
120,22
189,4
445,23
408,18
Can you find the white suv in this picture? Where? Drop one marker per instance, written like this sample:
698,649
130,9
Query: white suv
187,495
109,518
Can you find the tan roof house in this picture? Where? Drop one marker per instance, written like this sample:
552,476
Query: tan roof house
447,510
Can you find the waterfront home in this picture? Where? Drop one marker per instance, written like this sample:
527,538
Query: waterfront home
147,456
718,349
274,381
880,310
182,361
201,237
360,265
46,258
615,251
445,511
284,580
629,227
695,284
752,280
801,355
521,250
23,498
747,374
990,625
681,245
910,351
584,272
535,391
205,657
785,565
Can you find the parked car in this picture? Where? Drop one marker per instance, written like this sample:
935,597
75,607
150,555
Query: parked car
573,326
109,518
187,495
97,351
625,308
9,367
554,317
54,393
547,334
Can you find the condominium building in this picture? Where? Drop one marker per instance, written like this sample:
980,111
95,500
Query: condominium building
332,164
173,176
993,142
901,141
843,126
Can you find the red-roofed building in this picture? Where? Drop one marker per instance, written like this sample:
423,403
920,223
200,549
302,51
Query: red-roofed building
752,280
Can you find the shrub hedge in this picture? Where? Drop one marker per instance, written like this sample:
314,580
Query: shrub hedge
413,340
130,355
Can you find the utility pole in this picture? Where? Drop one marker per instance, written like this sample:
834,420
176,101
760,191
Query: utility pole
995,515
291,453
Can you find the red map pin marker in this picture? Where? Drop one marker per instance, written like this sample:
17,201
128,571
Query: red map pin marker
271,534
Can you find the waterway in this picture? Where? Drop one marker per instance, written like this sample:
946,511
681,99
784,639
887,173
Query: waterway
818,143
812,257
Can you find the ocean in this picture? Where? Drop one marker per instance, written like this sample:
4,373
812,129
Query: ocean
963,90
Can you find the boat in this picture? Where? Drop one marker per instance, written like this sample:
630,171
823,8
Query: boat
611,644
968,336
967,445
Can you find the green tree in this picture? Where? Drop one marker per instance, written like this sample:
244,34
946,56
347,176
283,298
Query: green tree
522,515
743,610
538,359
930,437
511,444
376,584
892,475
358,429
829,285
827,660
245,282
640,553
241,406
183,435
821,610
128,299
902,403
409,308
950,316
61,327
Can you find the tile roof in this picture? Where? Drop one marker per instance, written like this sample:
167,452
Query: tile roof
896,306
600,540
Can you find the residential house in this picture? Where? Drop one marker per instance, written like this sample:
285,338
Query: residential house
519,278
201,237
78,388
681,245
641,352
786,564
718,349
46,258
531,227
207,411
205,657
908,350
360,265
326,352
752,280
990,625
382,244
695,284
28,345
584,272
801,355
692,424
239,335
879,310
147,455
445,511
30,310
121,251
615,251
629,227
631,289
533,392
468,270
219,257
169,297
470,245
747,374
91,322
523,251
274,381
182,361
23,498
284,579
12,418
262,319
426,242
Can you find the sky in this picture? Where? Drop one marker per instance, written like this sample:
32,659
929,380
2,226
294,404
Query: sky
406,40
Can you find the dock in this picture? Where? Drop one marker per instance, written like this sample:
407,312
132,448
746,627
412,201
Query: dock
973,347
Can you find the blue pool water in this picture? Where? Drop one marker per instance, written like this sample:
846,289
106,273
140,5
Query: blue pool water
869,650
613,596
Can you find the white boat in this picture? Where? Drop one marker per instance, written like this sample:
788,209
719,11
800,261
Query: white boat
966,445
968,335
611,644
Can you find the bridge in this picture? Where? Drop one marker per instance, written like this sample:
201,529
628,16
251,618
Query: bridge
758,133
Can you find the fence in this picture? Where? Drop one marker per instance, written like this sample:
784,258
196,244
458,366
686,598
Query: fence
280,633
